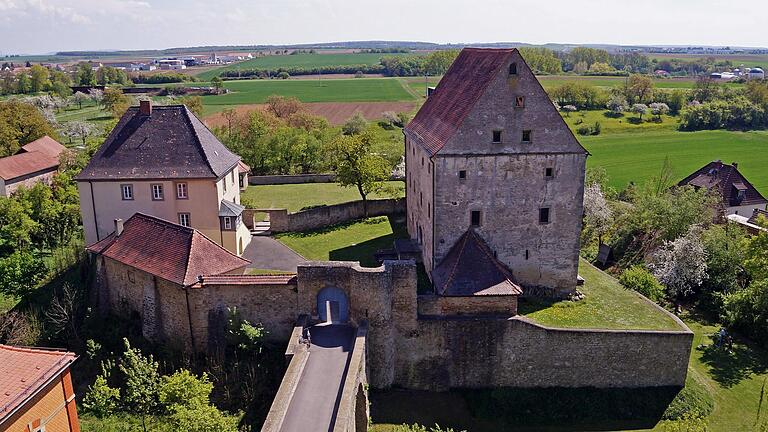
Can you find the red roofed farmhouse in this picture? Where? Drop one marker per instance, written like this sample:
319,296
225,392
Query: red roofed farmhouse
36,390
738,196
164,162
488,151
36,162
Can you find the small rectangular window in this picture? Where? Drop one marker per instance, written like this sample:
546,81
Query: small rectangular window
157,192
227,222
422,161
181,191
429,169
429,210
475,218
184,219
496,136
520,101
127,191
549,172
544,215
527,136
462,174
224,180
513,69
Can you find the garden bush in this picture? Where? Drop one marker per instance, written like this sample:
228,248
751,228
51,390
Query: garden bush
639,279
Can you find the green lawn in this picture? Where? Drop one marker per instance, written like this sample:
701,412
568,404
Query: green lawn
294,197
748,60
89,112
354,241
607,305
298,60
551,81
327,90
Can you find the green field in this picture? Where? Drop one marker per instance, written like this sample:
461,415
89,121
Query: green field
552,81
737,59
298,60
294,197
326,90
638,156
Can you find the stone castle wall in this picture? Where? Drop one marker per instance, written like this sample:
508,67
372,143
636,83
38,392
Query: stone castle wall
440,348
280,220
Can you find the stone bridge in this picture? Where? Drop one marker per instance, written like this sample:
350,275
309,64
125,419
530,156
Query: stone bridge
325,386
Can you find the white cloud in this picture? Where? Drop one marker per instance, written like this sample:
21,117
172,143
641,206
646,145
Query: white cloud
49,25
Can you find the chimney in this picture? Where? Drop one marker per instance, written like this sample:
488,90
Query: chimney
118,227
145,107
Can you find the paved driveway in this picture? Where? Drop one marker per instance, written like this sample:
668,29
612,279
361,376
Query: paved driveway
315,402
269,254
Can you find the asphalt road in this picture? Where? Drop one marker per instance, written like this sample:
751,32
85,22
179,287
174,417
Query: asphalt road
314,405
267,253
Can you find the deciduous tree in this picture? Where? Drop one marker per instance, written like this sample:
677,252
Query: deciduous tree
356,166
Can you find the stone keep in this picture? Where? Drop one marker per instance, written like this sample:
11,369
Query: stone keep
489,150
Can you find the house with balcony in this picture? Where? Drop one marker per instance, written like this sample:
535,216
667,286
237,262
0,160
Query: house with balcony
164,162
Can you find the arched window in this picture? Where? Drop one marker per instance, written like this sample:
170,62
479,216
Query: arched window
513,69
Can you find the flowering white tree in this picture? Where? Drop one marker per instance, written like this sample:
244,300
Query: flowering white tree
640,109
681,264
659,109
597,213
569,109
617,104
79,98
79,130
96,95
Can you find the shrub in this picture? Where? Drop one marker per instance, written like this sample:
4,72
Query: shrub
639,279
584,130
204,418
355,125
597,128
184,388
101,399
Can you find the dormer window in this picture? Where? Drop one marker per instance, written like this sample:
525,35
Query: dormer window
513,69
497,137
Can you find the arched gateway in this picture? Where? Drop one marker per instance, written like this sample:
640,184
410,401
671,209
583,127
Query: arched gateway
332,305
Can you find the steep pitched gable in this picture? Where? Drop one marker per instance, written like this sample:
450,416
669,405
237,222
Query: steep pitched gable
169,143
477,96
727,182
45,145
170,251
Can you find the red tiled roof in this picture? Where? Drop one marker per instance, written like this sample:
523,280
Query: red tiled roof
27,163
243,167
45,145
455,95
727,181
249,279
470,269
167,250
25,371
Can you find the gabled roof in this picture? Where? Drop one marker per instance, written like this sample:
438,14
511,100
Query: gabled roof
228,208
26,371
470,269
455,95
27,163
726,181
243,167
167,250
169,143
46,145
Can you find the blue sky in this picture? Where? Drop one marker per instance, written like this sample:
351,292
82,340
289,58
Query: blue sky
40,26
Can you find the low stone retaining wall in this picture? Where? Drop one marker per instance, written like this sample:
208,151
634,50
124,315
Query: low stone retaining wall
291,179
319,217
353,413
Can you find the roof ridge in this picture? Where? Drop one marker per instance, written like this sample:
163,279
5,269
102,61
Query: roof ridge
486,250
188,118
37,350
463,241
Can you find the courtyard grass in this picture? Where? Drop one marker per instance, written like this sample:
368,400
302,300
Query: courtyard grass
353,241
607,305
295,197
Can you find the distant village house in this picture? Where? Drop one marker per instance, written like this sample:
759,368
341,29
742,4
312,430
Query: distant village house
35,162
737,195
